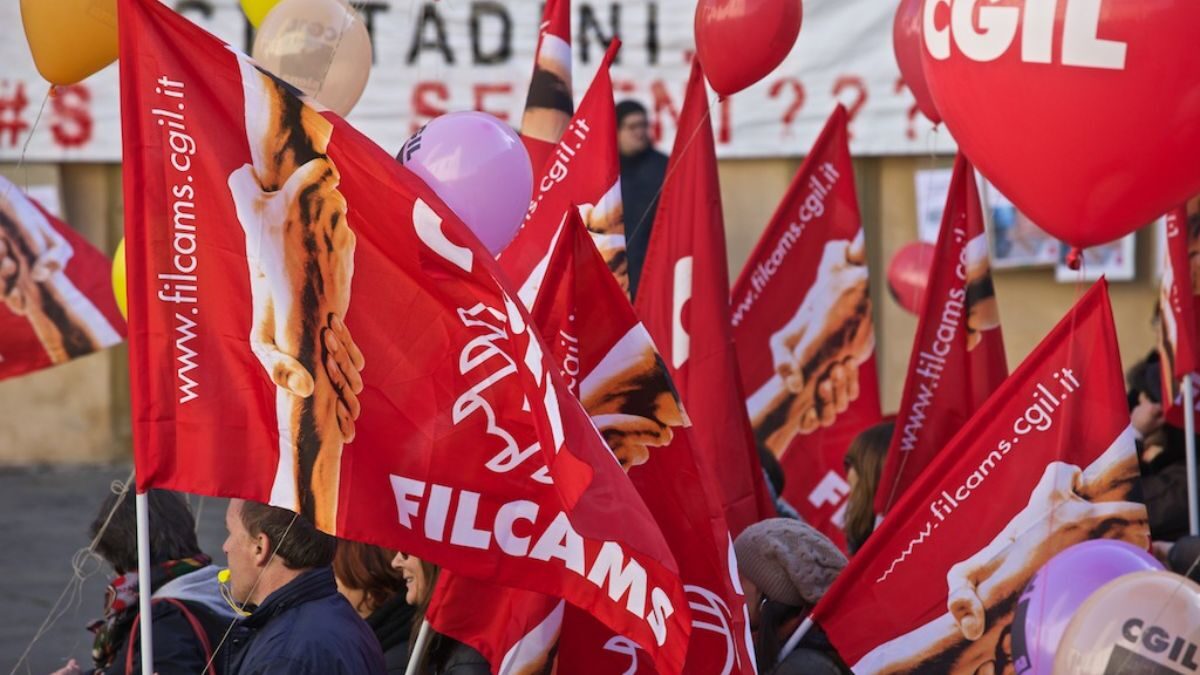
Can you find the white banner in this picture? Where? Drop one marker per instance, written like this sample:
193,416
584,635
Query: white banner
437,56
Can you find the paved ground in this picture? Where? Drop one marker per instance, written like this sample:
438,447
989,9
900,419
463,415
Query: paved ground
46,516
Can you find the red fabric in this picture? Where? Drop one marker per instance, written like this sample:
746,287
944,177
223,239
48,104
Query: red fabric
51,319
958,352
683,300
515,630
1178,342
784,293
1049,461
538,135
625,387
584,171
469,450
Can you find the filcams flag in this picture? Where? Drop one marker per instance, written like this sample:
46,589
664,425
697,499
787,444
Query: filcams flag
276,256
805,339
56,297
610,362
684,302
1049,461
584,170
550,102
1178,342
957,357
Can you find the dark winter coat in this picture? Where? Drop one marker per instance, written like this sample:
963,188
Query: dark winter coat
180,630
304,628
641,180
392,624
813,656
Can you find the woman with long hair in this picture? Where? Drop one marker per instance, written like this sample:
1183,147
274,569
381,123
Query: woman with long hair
444,655
864,465
786,566
365,575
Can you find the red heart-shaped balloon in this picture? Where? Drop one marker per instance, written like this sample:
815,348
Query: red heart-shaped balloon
1085,113
739,42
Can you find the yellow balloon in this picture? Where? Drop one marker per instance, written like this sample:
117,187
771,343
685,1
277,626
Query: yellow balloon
70,39
118,279
256,10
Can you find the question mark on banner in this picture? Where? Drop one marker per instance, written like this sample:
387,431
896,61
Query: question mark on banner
913,110
793,110
855,83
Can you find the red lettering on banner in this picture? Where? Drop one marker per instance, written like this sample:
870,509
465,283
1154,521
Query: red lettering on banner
424,109
486,89
913,111
71,121
851,83
12,109
790,113
662,104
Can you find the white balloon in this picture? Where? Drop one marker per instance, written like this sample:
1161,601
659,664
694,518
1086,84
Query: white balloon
321,47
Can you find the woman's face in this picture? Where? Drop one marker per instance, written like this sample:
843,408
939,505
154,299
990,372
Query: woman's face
851,477
414,577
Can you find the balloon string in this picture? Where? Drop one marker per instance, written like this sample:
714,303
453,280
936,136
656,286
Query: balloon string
25,147
672,167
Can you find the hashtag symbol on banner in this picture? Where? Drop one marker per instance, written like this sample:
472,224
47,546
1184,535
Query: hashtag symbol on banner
12,109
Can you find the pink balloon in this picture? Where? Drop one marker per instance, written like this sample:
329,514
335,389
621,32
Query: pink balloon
1053,596
479,167
906,41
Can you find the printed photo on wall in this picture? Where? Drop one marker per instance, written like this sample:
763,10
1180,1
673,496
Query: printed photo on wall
1016,242
1114,261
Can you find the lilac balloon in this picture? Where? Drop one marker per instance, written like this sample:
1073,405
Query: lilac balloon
1053,595
479,167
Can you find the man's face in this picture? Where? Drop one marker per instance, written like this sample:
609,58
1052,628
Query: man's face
241,551
633,137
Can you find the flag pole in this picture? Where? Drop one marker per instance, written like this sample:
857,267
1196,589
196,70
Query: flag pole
142,505
1189,424
418,652
790,645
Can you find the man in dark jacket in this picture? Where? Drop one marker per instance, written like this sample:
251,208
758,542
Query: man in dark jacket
300,624
642,172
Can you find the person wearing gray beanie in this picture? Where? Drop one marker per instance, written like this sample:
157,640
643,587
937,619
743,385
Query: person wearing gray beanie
786,566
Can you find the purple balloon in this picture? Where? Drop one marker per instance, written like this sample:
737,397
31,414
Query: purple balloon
1053,595
479,167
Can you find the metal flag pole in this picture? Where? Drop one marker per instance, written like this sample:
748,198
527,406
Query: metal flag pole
143,553
801,631
418,652
1189,426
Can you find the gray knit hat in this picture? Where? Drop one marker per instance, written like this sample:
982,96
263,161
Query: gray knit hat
789,561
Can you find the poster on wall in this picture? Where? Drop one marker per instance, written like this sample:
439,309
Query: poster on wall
1015,241
1114,261
434,56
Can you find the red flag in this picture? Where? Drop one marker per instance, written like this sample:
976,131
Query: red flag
55,287
1049,461
277,252
549,104
958,353
1178,343
687,313
585,170
608,358
806,343
515,630
609,361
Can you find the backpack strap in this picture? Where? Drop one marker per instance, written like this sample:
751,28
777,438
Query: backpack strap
197,628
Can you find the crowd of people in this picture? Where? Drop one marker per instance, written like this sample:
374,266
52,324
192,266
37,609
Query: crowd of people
297,600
